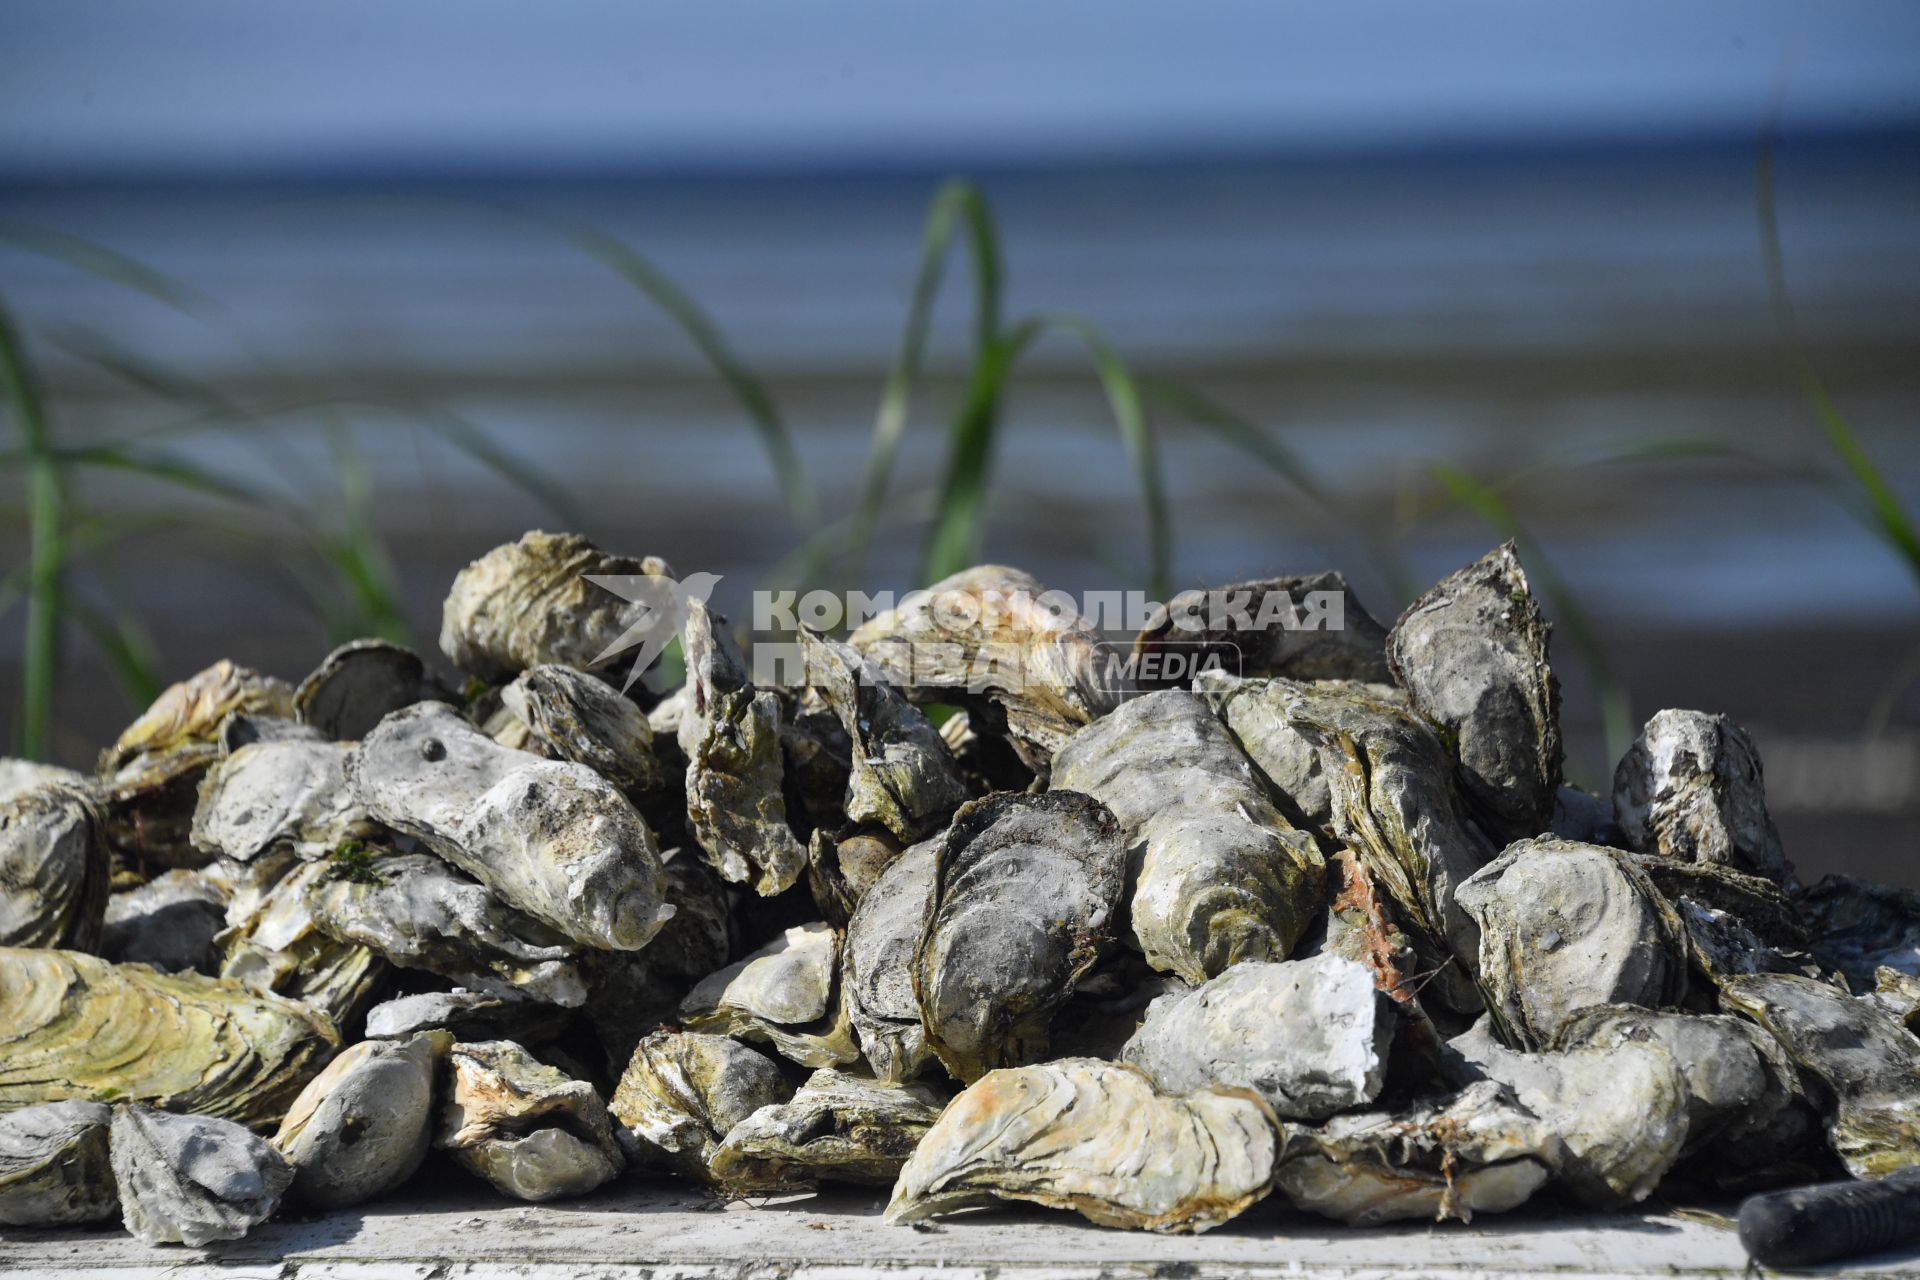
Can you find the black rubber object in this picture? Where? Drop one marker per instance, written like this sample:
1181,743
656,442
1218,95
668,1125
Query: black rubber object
1831,1220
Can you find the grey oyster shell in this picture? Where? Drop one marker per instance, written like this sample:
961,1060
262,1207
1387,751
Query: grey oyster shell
150,777
786,994
1691,788
1472,655
1026,889
1305,627
556,840
1309,1036
985,636
903,777
362,682
1395,806
573,716
1219,875
278,947
54,869
1868,1061
17,775
1255,709
1477,1151
683,1092
1762,906
419,913
837,1128
467,1015
877,960
290,792
842,870
193,1179
362,1126
1738,1078
1860,928
529,602
525,1127
169,922
736,809
1566,925
1095,1137
1620,1113
74,1026
54,1169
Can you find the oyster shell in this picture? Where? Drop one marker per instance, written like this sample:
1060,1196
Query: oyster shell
1899,994
360,683
1477,1151
837,1128
362,1126
193,1179
291,792
53,1166
903,777
1620,1113
1761,905
74,1026
995,639
280,948
1309,1036
629,993
1394,805
419,913
556,840
1095,1137
1738,1078
529,602
525,1127
1566,925
1219,875
1271,627
841,871
1868,1061
683,1092
467,1015
736,810
1026,889
150,777
190,713
1691,788
54,869
877,956
1861,928
574,716
17,775
1289,762
786,994
1472,655
169,922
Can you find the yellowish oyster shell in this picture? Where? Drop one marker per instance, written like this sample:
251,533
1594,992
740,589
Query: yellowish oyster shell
786,994
525,1127
53,1166
683,1092
74,1026
1097,1138
838,1128
279,948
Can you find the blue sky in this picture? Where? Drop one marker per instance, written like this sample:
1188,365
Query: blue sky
114,86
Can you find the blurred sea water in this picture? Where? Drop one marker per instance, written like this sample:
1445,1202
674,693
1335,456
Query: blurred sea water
1519,314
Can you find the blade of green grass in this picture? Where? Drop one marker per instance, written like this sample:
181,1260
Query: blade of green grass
358,554
746,386
46,496
1616,708
960,509
104,263
128,649
471,440
957,202
175,470
1883,512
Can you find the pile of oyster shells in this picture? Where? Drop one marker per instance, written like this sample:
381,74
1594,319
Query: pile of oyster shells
1325,923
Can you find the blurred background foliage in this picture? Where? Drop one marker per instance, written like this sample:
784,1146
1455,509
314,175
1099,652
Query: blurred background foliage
282,354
